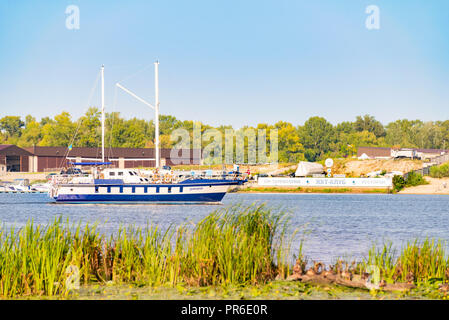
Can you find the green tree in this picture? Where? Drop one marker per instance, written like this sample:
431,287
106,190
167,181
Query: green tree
31,135
317,136
370,124
289,143
90,128
59,132
11,126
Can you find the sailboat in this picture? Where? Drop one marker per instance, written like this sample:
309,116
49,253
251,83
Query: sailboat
113,185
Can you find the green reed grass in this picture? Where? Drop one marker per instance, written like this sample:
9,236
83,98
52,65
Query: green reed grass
232,245
418,261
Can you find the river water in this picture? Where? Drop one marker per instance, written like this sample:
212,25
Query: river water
332,225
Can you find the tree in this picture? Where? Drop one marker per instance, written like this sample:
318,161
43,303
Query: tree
317,136
404,133
289,143
60,132
90,128
370,124
31,135
11,126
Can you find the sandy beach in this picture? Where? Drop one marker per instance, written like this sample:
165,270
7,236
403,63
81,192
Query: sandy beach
435,186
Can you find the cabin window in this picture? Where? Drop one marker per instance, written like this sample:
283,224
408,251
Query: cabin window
96,189
145,189
112,174
120,173
131,173
121,189
169,189
109,189
141,179
181,189
133,189
157,189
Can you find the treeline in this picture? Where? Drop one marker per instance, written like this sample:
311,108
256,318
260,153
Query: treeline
314,140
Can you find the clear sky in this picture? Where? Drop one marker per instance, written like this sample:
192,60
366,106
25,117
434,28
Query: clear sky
229,62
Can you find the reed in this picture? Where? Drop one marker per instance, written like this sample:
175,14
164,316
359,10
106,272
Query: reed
419,261
234,245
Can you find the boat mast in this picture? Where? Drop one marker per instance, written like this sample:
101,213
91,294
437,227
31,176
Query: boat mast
155,108
102,113
156,111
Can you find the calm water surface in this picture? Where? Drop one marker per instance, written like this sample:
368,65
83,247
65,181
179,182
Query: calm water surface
338,225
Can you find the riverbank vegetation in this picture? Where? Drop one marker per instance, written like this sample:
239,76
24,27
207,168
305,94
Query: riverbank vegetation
413,179
243,247
441,171
314,140
232,246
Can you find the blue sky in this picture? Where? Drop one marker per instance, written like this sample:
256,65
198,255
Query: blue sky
229,62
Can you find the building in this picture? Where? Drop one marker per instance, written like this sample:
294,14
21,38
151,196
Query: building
430,153
41,159
15,159
390,153
374,152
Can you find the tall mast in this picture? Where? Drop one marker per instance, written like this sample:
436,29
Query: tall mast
155,108
156,111
102,113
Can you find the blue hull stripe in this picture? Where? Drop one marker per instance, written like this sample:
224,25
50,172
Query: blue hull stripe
197,197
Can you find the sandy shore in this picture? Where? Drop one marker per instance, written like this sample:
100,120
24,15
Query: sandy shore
435,186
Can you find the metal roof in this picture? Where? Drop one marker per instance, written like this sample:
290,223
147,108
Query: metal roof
12,150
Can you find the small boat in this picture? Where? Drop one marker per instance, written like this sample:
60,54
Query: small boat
42,187
20,185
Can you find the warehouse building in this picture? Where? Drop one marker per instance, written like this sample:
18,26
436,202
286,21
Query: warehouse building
14,159
44,159
391,153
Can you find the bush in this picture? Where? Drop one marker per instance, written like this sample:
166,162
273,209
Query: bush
415,179
440,171
398,183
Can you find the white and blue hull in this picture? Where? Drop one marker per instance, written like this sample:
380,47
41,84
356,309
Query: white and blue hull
186,192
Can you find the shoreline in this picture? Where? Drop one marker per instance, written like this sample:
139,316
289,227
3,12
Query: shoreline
435,187
262,190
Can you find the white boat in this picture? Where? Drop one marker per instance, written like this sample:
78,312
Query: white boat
130,185
127,185
20,185
42,187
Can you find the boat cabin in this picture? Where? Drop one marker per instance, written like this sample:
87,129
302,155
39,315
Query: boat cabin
127,175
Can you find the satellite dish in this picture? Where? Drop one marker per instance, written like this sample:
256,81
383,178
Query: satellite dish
329,162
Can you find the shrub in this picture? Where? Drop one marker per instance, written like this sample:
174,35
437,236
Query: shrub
440,171
398,183
415,179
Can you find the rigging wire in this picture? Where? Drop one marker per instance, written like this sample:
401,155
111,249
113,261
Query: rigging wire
135,73
94,87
